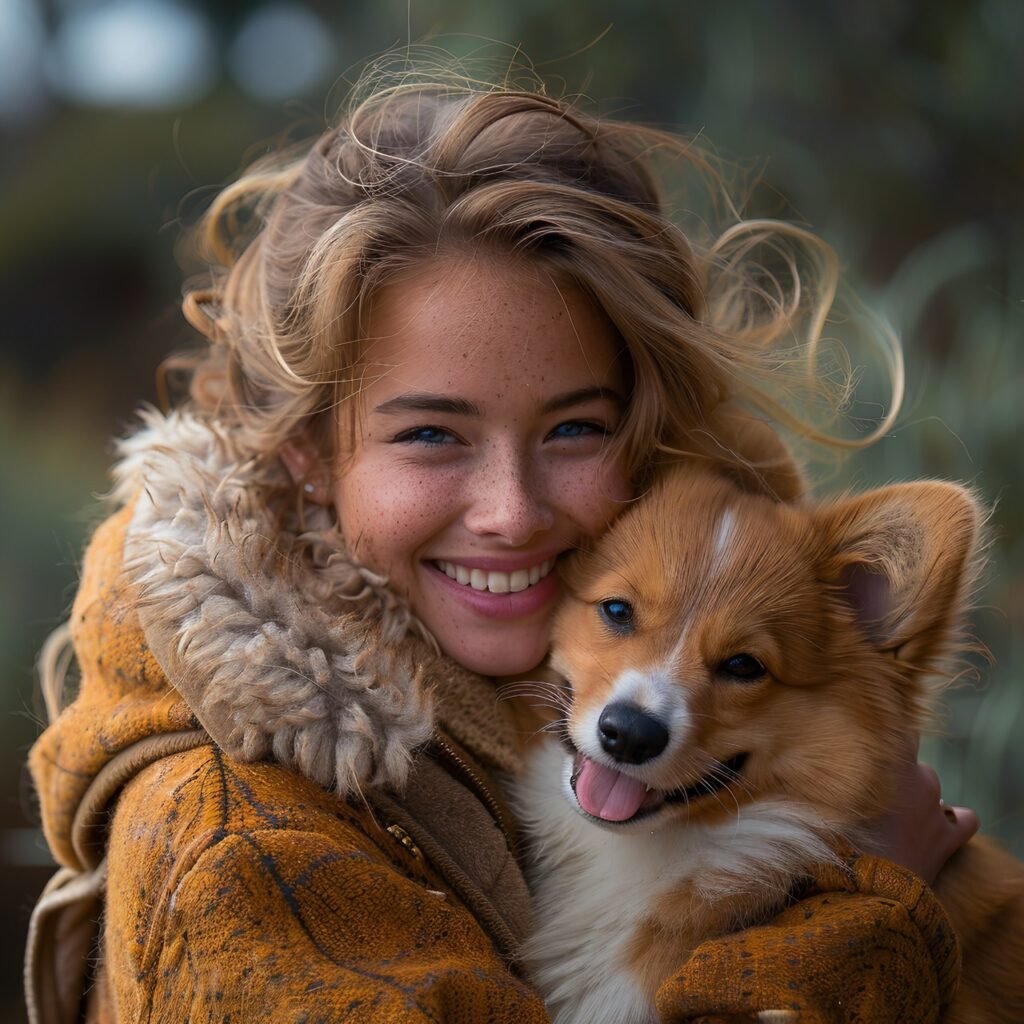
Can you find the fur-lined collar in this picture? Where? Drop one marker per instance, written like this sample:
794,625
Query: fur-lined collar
283,646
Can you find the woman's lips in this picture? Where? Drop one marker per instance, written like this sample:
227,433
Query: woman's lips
496,604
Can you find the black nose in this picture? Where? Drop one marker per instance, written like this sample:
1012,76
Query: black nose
630,734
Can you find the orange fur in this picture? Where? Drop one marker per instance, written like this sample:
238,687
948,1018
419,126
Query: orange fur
852,607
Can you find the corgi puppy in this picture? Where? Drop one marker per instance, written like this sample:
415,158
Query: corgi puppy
742,675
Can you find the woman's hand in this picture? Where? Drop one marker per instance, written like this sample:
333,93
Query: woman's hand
920,831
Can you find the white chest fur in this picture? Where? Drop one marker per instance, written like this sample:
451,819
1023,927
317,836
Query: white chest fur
592,887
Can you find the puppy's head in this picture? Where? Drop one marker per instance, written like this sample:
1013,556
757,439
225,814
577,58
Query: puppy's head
723,648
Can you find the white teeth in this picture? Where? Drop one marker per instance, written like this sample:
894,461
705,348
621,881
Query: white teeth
497,582
519,580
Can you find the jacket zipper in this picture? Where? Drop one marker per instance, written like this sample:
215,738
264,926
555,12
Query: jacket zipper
479,787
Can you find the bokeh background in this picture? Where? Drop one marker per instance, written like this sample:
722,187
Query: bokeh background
895,128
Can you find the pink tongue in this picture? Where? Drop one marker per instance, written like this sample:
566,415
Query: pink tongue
606,793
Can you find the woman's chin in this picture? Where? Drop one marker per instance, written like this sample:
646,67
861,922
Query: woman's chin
510,655
507,636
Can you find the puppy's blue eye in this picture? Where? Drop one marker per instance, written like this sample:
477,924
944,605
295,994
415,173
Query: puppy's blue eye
742,666
618,614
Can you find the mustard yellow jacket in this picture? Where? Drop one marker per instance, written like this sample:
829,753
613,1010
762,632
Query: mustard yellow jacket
280,804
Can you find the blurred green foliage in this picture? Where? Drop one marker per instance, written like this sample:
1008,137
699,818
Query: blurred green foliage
892,127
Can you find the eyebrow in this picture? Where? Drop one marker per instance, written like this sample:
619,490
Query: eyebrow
581,396
417,401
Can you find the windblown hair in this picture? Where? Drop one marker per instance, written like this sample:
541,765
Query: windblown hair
414,171
721,329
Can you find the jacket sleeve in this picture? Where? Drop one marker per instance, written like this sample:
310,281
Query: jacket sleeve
272,922
869,942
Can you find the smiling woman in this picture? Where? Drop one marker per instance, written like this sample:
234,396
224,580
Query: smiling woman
478,452
442,349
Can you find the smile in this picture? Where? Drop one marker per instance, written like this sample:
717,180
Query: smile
496,582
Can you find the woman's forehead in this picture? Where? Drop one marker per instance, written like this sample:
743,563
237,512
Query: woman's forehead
482,326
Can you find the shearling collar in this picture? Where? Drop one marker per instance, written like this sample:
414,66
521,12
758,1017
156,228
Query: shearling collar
281,645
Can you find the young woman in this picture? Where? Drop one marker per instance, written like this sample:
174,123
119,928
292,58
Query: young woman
446,346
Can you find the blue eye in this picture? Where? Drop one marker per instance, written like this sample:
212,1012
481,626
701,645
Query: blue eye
577,428
618,614
432,436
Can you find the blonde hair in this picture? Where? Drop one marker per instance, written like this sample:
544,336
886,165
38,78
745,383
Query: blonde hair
300,244
720,328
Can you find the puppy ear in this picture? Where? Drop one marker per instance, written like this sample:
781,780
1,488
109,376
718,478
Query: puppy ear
903,558
749,452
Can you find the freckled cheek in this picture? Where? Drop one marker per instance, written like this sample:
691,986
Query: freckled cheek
385,523
596,497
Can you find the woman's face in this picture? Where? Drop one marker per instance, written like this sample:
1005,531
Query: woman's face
479,454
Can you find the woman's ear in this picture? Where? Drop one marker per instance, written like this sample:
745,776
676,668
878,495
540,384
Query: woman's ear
306,466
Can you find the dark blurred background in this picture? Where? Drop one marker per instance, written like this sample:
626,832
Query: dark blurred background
894,128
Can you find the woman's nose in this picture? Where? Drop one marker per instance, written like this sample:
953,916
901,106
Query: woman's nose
508,500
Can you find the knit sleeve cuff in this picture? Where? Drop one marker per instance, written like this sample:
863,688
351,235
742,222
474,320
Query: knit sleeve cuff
868,941
886,880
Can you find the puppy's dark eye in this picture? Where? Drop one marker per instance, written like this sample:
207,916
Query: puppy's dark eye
742,666
618,614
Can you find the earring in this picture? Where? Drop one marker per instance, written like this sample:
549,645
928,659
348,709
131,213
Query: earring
309,488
